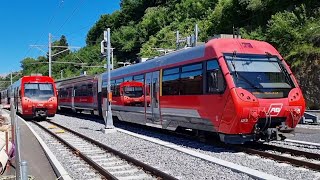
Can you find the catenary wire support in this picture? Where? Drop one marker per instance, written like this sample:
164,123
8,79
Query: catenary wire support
50,55
189,41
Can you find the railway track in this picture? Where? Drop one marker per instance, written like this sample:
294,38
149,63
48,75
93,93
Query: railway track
283,154
103,160
294,157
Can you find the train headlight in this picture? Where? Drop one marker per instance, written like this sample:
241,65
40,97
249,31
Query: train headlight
294,95
246,95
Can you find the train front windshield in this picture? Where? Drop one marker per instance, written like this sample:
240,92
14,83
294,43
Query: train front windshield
133,91
38,91
263,76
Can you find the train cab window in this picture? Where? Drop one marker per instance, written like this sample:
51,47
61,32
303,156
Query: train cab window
191,80
170,81
215,80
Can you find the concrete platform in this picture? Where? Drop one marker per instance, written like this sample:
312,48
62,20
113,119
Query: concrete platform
39,166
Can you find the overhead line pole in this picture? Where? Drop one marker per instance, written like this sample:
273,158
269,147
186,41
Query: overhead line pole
50,55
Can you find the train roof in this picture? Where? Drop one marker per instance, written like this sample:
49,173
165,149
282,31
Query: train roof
167,60
223,45
76,79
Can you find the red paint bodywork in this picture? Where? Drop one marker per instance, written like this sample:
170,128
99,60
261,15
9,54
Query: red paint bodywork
26,105
235,111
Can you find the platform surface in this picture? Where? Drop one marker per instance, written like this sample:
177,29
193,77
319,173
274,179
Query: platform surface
32,152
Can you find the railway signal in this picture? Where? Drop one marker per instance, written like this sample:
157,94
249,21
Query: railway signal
105,44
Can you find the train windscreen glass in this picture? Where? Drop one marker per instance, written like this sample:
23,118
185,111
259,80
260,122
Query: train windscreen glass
263,76
38,91
133,91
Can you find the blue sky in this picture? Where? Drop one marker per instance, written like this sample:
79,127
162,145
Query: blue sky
24,23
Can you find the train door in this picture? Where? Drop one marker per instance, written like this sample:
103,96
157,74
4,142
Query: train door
152,99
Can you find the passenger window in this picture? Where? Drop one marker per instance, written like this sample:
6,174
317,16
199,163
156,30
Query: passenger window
117,87
139,78
191,80
215,80
127,79
170,82
90,90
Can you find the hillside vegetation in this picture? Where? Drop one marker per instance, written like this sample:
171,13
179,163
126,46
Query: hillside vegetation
292,26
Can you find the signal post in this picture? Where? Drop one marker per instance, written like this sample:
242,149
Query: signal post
108,119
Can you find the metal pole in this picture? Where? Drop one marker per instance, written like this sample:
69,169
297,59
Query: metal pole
24,170
61,73
11,78
109,124
178,39
112,58
18,154
50,55
196,35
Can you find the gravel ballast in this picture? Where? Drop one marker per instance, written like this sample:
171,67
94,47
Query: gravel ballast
76,168
179,164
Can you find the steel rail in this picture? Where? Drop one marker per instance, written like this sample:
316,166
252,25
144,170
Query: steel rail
100,169
144,166
290,160
295,152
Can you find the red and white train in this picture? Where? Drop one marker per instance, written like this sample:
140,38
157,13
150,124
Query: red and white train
33,96
241,89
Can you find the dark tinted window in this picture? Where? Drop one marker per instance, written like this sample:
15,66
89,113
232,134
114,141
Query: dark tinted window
171,71
138,77
127,79
118,81
215,80
90,89
170,84
192,67
191,83
212,65
170,81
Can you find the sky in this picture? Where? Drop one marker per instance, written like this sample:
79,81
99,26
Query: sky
26,23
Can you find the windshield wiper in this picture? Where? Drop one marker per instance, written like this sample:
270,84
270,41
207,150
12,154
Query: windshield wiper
234,54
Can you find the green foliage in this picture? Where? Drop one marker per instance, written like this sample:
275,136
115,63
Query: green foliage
141,26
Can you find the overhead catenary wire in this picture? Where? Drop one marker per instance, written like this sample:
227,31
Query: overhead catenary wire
71,15
49,23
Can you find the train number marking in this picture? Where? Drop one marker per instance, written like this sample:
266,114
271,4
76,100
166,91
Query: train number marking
275,109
